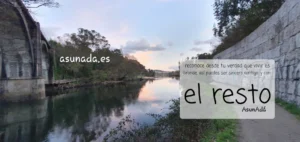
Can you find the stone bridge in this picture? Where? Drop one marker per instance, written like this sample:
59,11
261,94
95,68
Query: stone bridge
25,56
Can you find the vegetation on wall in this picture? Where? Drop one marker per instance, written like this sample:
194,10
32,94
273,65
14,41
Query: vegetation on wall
236,19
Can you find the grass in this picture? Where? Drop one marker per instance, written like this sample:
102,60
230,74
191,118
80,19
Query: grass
222,130
170,127
290,107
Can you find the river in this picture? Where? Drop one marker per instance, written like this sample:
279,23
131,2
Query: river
86,114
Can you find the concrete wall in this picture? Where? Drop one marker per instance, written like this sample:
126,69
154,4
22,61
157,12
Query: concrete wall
17,90
15,53
279,39
21,45
23,55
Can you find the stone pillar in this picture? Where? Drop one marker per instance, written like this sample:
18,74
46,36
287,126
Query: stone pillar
37,51
20,90
51,66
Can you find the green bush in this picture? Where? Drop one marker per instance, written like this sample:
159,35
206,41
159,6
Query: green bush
171,128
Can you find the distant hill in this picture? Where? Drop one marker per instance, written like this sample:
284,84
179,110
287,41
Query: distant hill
160,71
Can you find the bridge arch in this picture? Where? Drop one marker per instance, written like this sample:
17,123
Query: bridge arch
46,58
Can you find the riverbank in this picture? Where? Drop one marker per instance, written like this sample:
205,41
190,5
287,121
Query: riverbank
63,85
170,127
222,130
79,114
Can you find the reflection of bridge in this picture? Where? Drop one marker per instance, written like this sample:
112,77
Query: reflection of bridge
84,114
26,59
19,121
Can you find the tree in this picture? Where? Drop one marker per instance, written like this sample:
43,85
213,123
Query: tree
86,42
204,56
33,3
89,39
40,3
238,18
230,13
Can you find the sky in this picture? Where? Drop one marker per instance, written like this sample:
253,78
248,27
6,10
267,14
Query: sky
158,33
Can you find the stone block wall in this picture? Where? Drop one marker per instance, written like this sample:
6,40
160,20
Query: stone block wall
278,38
19,90
24,55
15,52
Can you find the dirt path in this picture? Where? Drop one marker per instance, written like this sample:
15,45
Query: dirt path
284,128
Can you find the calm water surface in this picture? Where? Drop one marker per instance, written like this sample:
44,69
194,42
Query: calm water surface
86,114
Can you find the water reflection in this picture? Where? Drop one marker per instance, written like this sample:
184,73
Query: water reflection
86,114
23,122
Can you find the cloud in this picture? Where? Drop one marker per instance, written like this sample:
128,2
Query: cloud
144,58
120,35
211,41
170,43
181,54
197,49
124,28
164,0
140,45
50,32
199,42
173,68
131,57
